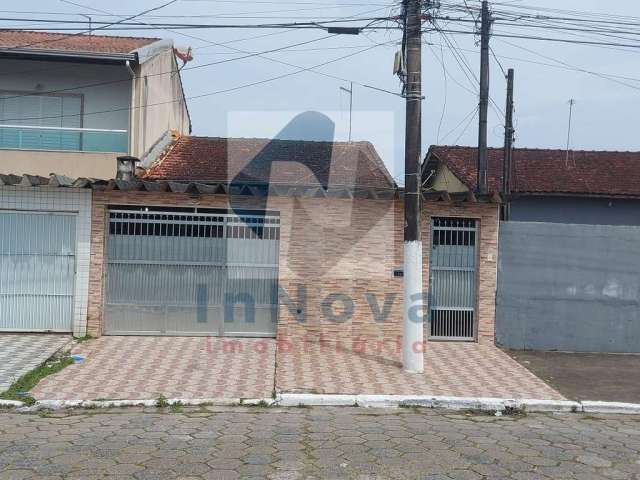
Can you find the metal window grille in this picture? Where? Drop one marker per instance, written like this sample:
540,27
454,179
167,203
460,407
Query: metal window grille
452,278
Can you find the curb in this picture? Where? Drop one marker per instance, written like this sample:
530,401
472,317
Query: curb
492,405
94,404
456,403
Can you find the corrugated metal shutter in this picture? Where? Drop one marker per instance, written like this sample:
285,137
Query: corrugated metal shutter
172,273
37,271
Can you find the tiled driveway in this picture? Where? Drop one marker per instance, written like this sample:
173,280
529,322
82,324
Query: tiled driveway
176,367
21,353
199,367
451,369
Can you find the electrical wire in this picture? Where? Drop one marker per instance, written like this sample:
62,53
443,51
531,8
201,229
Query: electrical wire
131,17
203,95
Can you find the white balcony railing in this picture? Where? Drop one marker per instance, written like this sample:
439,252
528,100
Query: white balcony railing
63,138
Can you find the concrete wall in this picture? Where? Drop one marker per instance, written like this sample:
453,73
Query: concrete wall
576,210
328,246
162,94
71,164
568,287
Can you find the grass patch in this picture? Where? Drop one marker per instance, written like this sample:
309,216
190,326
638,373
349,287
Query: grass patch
176,407
20,389
162,401
86,338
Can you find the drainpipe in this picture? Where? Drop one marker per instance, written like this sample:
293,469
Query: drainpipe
132,109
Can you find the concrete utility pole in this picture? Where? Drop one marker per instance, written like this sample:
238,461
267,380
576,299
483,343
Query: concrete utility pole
508,147
483,154
413,332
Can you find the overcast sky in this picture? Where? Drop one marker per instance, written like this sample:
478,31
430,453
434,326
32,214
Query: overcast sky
606,114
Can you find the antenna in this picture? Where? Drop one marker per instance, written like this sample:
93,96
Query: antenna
572,102
350,92
88,17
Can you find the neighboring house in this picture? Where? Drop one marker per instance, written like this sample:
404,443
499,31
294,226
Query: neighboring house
295,239
70,105
569,256
579,187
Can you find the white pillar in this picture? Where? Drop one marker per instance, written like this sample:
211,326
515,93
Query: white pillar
413,336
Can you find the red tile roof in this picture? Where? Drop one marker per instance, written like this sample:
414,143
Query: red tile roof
549,171
24,39
257,160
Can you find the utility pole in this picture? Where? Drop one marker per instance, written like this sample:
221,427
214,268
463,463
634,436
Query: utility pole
508,148
350,92
413,331
485,31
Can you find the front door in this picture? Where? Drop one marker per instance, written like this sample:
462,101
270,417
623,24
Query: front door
452,278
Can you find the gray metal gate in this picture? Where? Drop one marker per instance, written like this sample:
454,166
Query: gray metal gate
199,272
452,278
37,271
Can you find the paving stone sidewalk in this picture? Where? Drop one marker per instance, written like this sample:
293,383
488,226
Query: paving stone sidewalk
21,353
451,369
322,443
176,367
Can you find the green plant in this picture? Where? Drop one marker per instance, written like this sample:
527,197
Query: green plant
162,401
83,339
19,390
176,407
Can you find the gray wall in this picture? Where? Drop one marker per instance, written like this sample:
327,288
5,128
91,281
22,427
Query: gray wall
588,211
568,287
42,76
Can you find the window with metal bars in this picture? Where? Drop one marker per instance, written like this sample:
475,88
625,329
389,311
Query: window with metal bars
182,224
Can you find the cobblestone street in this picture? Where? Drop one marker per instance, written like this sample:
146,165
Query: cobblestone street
243,442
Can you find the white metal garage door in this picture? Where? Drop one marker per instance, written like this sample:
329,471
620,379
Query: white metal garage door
37,271
204,272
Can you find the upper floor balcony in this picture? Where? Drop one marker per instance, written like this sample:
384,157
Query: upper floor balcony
31,137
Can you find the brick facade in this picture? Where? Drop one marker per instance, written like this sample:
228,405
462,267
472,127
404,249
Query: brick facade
338,253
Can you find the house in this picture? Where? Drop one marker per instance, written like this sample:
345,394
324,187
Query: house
568,256
70,105
305,239
578,187
297,240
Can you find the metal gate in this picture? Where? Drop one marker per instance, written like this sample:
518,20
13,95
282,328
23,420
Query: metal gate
192,272
37,271
452,278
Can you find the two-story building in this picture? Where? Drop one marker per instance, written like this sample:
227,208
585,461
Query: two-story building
70,105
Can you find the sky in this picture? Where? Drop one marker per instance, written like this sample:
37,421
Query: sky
606,114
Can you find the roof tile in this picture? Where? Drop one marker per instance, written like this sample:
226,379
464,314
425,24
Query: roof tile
550,171
256,160
42,41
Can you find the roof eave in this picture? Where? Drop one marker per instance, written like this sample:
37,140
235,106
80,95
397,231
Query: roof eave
618,196
67,55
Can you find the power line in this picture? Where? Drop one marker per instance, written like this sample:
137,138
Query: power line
203,95
123,25
168,72
131,17
225,45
